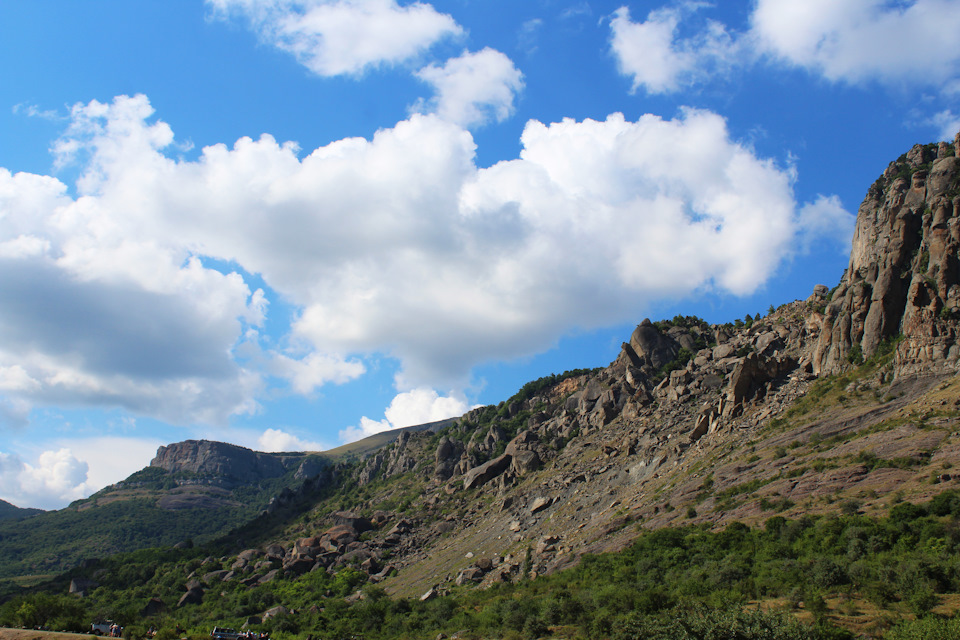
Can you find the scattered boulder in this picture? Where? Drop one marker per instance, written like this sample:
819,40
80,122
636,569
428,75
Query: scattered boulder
486,472
154,607
273,612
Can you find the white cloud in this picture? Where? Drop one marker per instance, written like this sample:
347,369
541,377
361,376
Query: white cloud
336,37
417,406
58,477
420,406
825,219
278,440
846,41
102,309
111,459
16,378
947,124
397,246
474,88
657,60
315,370
857,40
71,469
528,35
33,111
366,428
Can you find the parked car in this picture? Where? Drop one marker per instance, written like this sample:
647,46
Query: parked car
224,633
106,628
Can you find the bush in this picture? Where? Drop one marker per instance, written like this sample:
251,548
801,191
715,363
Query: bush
706,624
928,628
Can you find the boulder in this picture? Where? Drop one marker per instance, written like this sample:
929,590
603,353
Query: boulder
525,462
446,457
154,607
479,476
273,612
299,565
215,576
652,348
539,504
347,518
470,574
192,596
275,552
268,576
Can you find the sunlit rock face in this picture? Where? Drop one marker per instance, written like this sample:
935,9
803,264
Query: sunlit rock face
904,273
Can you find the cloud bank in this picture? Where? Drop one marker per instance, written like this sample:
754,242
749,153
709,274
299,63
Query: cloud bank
395,245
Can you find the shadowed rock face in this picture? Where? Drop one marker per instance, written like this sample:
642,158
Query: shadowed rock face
904,273
229,464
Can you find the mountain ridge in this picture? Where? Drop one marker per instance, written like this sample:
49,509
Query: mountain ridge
847,401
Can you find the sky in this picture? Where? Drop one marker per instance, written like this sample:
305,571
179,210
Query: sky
289,224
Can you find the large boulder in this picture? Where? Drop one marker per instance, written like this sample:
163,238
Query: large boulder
486,472
446,457
650,349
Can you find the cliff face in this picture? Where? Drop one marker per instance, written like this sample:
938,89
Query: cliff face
228,465
904,274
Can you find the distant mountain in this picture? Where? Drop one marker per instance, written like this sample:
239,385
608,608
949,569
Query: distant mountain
11,512
196,490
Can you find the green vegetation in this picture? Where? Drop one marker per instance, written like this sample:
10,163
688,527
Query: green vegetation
686,582
52,541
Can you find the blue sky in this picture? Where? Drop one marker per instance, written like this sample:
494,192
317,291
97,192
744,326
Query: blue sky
290,223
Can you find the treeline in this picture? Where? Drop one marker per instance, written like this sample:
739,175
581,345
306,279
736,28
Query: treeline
687,582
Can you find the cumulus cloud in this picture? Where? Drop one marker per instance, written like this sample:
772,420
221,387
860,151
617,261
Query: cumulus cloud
842,41
657,60
947,124
57,477
278,440
826,219
417,406
315,370
111,459
73,469
474,88
851,41
101,310
396,245
337,37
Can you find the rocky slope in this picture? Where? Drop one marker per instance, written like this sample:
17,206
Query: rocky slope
845,400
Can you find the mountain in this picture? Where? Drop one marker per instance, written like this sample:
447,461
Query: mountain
11,512
828,425
159,505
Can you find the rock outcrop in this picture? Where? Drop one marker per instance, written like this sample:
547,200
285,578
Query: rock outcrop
904,273
228,465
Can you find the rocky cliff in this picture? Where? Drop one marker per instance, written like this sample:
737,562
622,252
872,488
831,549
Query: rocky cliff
229,465
904,274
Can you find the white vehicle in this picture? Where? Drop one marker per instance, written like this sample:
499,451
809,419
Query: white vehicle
103,628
